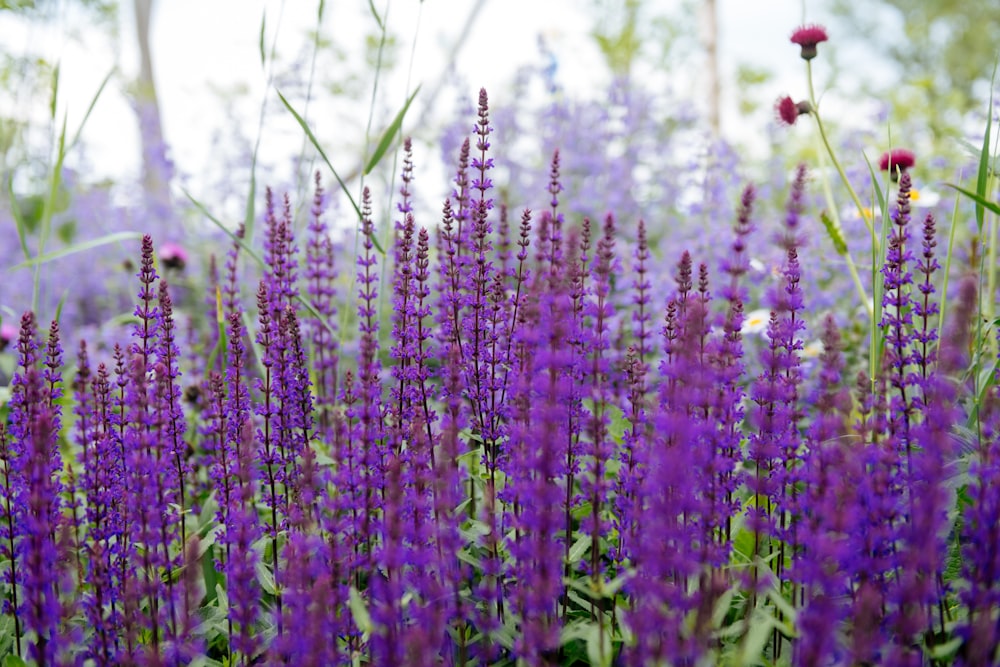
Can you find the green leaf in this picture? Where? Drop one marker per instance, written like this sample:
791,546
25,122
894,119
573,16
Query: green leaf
221,600
389,134
947,649
782,605
14,661
359,611
265,578
573,631
757,637
579,548
599,645
976,197
79,247
982,177
612,587
205,661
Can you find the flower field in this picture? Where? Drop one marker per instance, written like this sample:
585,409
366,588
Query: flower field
522,436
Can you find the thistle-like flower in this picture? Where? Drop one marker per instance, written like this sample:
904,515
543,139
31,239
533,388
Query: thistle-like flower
896,161
787,110
807,37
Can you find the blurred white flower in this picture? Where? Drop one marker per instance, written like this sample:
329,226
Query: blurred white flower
924,198
812,350
756,321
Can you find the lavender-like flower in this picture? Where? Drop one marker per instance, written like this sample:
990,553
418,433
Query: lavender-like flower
320,275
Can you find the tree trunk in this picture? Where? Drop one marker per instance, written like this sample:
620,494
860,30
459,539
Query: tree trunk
156,168
710,43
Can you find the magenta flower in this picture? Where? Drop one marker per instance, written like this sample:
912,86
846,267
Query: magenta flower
788,110
898,158
173,256
808,36
8,332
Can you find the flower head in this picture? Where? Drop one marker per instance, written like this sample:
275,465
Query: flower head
808,36
898,158
173,256
788,110
8,332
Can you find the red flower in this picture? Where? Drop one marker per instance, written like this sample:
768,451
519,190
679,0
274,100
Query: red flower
787,110
808,36
900,158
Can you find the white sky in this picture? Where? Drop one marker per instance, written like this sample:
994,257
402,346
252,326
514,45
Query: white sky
201,46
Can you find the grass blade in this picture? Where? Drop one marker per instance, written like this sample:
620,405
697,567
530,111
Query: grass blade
878,286
378,19
90,108
15,211
246,247
982,177
260,41
981,201
319,149
390,133
312,138
78,247
55,91
244,244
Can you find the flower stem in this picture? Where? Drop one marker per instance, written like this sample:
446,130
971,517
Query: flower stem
829,149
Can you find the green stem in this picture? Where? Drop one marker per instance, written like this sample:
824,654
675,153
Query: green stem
947,272
829,149
846,254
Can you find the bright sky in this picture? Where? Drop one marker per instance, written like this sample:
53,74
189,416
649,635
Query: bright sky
204,46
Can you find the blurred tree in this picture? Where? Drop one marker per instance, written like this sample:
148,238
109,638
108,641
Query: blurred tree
945,50
147,105
102,14
630,32
710,45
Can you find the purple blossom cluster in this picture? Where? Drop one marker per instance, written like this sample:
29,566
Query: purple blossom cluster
537,456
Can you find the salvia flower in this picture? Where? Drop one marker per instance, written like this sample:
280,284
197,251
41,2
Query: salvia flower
807,37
